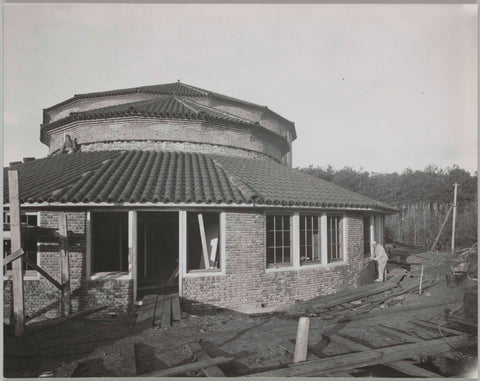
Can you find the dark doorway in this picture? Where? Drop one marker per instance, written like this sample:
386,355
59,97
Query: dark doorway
157,258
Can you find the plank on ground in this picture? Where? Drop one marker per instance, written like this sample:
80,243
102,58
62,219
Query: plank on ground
128,366
402,366
366,358
436,327
181,369
395,333
290,347
176,310
147,312
159,309
167,311
66,370
199,354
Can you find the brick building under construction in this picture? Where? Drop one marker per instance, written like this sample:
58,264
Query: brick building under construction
172,187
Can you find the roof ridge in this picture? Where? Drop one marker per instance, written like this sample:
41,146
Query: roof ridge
214,110
205,92
182,101
245,189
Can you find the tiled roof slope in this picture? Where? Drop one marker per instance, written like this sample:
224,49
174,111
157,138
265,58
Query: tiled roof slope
175,177
178,89
168,107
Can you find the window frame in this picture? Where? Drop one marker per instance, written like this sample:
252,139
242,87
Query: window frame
293,237
341,244
183,235
28,274
295,241
318,217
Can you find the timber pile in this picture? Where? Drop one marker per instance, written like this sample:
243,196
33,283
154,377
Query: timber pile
158,310
358,300
408,345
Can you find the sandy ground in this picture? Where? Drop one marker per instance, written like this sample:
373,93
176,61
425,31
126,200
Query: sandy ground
253,341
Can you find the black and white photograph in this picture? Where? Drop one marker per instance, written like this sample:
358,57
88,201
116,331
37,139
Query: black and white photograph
240,190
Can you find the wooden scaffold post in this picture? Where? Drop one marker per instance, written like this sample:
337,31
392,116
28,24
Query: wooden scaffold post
17,269
64,264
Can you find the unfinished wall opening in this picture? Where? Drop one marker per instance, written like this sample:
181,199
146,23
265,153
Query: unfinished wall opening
29,244
203,242
157,256
109,242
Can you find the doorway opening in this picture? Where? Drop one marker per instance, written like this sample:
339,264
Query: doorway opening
157,256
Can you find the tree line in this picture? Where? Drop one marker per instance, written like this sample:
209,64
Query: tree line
422,196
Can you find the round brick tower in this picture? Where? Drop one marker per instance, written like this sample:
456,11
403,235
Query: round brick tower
171,116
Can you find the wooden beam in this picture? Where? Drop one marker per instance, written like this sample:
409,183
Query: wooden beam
167,311
181,369
411,369
147,312
436,327
50,323
17,254
301,345
290,347
441,228
64,264
159,309
176,310
396,334
199,354
206,260
16,241
66,370
42,272
365,358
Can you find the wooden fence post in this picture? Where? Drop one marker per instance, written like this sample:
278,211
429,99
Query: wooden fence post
64,264
17,269
301,345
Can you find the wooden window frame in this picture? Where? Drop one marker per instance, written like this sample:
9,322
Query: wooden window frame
338,245
293,241
303,249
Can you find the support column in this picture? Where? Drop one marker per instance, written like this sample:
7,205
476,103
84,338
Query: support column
324,238
89,246
17,269
295,239
132,250
182,249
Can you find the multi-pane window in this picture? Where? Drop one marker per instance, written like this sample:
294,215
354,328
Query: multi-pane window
29,245
334,238
278,240
203,242
310,248
366,236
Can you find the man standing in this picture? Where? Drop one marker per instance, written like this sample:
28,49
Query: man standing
381,257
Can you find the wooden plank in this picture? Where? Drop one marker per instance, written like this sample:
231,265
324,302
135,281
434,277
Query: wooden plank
167,311
176,310
50,323
290,347
199,354
146,313
159,309
441,228
395,333
411,369
64,264
301,344
16,242
365,358
15,255
204,241
436,327
128,366
42,272
66,370
181,369
350,344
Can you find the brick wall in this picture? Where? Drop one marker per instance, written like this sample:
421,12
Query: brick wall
247,286
175,146
157,130
42,299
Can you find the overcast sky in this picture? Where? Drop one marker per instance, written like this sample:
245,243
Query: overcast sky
383,87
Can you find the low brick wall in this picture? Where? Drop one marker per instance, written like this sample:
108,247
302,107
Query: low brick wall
247,286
